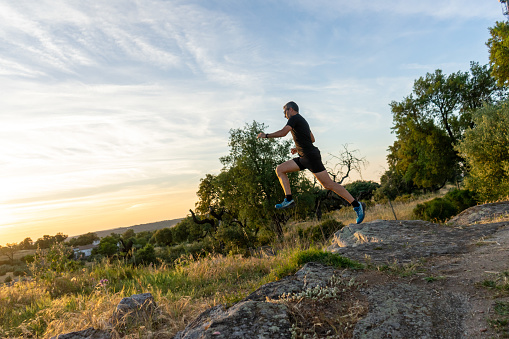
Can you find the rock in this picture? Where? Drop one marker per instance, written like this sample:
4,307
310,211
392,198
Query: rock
246,319
481,213
134,309
256,316
89,333
309,276
386,241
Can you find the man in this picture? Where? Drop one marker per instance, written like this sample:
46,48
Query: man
309,158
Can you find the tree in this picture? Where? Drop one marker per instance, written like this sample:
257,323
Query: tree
47,240
486,150
432,120
146,255
362,189
26,244
84,239
9,250
108,246
163,236
344,163
247,187
498,46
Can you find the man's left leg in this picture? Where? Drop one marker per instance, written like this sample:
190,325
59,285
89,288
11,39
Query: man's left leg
326,181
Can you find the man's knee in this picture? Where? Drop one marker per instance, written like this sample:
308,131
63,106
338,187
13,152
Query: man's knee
328,185
279,170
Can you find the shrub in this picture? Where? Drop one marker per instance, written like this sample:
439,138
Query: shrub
438,209
362,190
314,233
20,271
441,209
8,279
4,269
461,199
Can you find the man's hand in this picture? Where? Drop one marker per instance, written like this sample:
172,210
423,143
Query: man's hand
293,150
261,135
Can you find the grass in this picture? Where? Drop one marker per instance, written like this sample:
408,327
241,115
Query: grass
87,298
75,300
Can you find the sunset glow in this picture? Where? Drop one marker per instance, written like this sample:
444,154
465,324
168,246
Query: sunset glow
112,111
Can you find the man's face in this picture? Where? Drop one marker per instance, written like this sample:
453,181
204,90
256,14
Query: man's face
286,112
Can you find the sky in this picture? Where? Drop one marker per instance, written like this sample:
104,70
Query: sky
112,111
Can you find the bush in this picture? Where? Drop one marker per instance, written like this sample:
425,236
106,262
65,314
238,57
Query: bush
8,279
438,210
362,190
461,199
4,269
441,209
314,233
20,271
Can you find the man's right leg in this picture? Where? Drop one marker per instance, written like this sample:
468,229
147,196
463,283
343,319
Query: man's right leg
281,171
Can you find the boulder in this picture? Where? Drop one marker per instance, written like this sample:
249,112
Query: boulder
89,333
135,309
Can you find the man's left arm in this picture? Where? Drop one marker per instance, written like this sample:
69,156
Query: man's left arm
279,134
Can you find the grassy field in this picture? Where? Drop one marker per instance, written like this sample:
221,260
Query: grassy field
67,301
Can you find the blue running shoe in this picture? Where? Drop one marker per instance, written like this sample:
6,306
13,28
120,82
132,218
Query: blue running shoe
360,212
285,204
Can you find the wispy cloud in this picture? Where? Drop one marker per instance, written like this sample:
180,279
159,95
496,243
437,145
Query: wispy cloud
453,9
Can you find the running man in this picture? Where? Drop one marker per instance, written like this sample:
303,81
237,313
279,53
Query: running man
309,158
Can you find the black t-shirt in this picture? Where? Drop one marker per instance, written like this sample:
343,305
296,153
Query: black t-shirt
301,135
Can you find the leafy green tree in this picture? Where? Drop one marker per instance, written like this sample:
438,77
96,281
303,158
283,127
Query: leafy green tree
498,46
247,187
84,239
26,244
486,150
47,240
145,255
362,190
164,236
108,246
432,120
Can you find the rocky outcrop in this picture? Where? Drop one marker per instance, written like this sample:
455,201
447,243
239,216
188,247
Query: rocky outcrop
388,241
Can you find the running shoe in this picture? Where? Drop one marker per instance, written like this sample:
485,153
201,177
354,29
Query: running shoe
285,204
360,213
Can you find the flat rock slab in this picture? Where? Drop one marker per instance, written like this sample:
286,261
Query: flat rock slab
386,241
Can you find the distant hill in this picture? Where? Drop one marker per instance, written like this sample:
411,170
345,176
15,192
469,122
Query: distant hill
136,228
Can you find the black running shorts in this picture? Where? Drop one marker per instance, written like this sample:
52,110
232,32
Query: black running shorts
312,162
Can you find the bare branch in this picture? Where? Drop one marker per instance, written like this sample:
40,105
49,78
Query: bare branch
346,162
